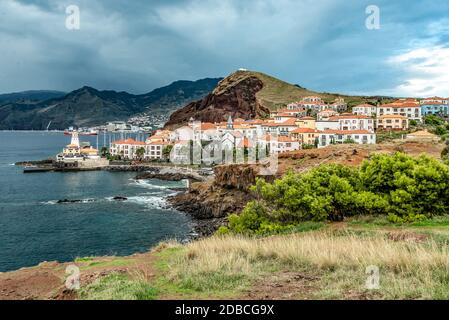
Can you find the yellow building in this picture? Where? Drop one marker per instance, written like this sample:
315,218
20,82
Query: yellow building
306,122
392,122
305,135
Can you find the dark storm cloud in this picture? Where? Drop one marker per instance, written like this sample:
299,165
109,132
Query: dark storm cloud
139,45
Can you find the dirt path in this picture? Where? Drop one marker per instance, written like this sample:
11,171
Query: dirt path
47,280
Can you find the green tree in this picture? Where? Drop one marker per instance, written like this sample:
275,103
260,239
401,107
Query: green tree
104,152
166,151
140,153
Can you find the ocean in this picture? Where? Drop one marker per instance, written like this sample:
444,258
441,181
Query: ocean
34,228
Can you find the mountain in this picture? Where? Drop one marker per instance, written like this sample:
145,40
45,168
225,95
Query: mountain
30,96
90,107
249,95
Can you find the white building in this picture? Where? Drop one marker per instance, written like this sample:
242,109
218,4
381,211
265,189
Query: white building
329,137
349,121
327,125
365,110
407,108
282,128
127,149
326,114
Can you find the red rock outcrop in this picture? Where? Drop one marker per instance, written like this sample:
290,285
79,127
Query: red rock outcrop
234,95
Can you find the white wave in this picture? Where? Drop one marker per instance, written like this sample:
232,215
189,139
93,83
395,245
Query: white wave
11,164
52,202
149,201
148,185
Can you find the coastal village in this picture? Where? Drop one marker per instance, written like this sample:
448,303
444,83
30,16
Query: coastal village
305,124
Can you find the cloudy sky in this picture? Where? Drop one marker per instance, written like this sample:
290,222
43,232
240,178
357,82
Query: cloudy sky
140,45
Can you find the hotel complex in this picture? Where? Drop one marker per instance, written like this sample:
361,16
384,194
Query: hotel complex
304,124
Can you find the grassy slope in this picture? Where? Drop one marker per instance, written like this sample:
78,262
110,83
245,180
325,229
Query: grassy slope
277,93
328,263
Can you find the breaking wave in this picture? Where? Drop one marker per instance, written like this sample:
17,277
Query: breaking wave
68,201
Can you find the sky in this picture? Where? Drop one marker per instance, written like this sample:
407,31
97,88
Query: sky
138,45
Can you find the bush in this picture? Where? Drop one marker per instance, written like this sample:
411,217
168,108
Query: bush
433,120
403,188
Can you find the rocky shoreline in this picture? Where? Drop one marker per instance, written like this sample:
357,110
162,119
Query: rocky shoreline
209,203
171,174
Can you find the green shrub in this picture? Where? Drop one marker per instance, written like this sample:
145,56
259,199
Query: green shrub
433,120
250,220
403,188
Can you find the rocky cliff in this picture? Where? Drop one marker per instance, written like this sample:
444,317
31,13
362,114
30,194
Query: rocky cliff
235,96
209,203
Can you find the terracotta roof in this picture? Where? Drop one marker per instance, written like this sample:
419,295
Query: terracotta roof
289,123
207,126
349,116
394,116
286,139
285,115
343,132
400,105
129,141
305,130
365,105
158,143
433,103
291,110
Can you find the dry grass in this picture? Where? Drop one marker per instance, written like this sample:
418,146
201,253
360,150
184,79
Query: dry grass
408,269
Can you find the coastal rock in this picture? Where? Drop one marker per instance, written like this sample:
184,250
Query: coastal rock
210,203
119,198
74,201
235,95
170,174
238,176
35,162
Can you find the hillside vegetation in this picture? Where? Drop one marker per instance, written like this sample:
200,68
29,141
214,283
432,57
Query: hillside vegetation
249,95
91,107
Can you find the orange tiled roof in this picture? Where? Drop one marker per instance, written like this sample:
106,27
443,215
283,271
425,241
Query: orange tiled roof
343,132
349,116
286,139
207,126
129,141
305,130
394,116
158,143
